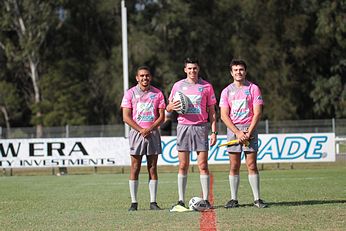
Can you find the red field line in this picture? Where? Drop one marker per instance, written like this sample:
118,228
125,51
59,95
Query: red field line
207,220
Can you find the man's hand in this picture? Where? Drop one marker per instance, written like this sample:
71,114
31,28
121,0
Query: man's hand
213,139
145,132
241,136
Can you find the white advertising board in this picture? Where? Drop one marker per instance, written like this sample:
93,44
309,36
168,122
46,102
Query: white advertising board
69,152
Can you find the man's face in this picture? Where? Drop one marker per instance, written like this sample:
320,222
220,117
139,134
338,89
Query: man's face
143,78
238,72
191,70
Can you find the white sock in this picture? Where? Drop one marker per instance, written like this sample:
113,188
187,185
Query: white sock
254,183
234,185
133,190
205,186
153,190
182,180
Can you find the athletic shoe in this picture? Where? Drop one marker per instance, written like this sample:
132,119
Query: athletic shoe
181,203
209,206
154,206
260,204
133,207
232,204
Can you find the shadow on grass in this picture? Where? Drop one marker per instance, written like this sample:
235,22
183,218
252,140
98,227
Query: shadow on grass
293,203
309,202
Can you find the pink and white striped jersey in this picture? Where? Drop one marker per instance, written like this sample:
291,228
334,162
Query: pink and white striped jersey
240,101
144,104
201,95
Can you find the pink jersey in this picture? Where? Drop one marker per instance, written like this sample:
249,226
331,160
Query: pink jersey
201,96
240,101
144,104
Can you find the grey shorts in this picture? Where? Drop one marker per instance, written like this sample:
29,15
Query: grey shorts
145,146
192,137
253,147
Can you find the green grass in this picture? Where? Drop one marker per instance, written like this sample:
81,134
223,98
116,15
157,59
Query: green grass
343,148
300,199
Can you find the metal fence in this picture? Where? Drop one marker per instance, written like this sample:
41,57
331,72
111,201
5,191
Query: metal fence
337,126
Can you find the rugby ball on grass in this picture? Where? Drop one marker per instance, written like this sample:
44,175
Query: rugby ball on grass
197,204
184,102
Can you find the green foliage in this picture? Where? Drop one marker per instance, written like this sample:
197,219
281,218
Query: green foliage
329,96
24,28
64,95
10,101
294,50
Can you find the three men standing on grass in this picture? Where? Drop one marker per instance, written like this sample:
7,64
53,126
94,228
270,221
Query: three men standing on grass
241,108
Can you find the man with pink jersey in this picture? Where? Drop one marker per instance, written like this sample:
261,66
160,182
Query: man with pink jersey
241,108
193,126
144,110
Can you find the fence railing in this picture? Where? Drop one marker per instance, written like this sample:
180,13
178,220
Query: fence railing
337,126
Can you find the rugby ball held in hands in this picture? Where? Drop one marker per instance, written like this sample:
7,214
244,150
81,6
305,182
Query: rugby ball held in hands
184,102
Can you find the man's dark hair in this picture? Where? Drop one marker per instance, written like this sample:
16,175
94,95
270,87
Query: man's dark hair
236,62
191,60
143,68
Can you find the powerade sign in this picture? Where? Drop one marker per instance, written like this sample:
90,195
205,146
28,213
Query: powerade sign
70,152
273,148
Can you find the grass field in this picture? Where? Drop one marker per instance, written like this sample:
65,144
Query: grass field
299,199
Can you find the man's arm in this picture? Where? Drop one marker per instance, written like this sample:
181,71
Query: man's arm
127,118
212,119
228,122
159,119
257,109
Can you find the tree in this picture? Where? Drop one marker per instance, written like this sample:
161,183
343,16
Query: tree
26,24
9,104
84,65
329,93
64,57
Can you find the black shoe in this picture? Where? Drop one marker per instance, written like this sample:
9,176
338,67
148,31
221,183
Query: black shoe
232,204
181,203
260,204
154,206
133,207
209,206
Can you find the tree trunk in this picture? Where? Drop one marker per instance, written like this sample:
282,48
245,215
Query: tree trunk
37,95
7,121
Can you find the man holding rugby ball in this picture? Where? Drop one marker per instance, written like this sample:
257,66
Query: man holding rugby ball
193,125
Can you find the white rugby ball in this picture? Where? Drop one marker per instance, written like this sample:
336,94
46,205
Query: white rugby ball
184,102
197,204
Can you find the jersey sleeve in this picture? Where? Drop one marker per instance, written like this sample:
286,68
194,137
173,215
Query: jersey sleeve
174,89
211,96
162,103
224,98
126,101
257,96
